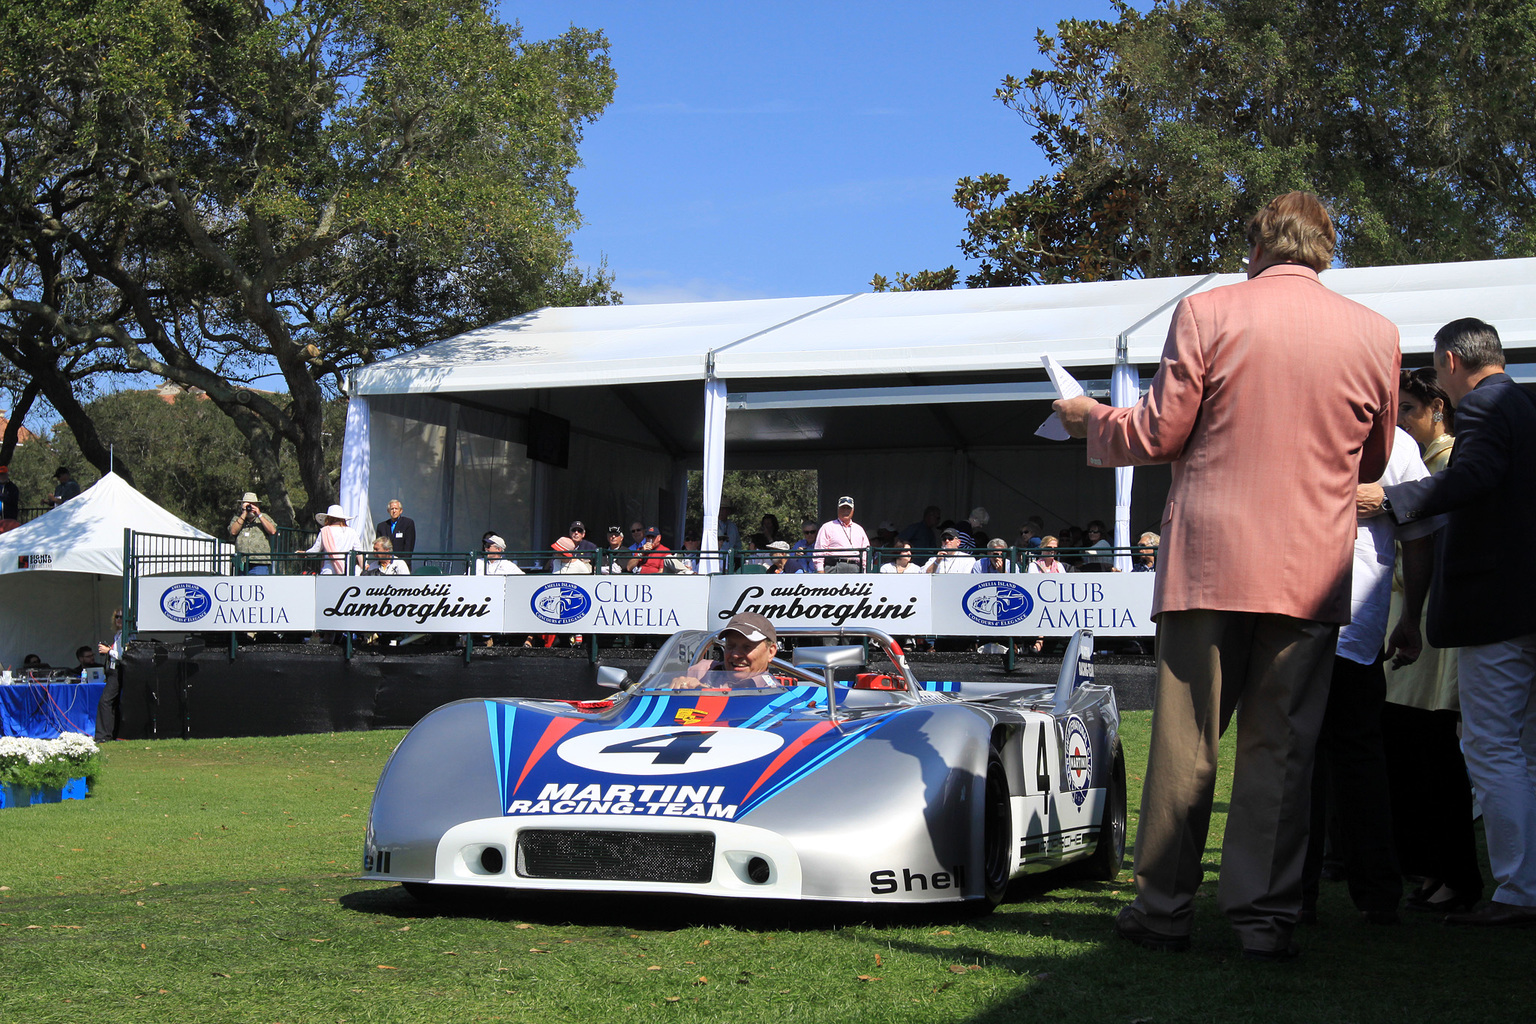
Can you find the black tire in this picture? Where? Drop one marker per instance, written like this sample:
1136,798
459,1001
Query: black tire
1103,865
997,833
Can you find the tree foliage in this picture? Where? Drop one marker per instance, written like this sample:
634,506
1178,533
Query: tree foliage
191,458
215,190
790,494
1166,130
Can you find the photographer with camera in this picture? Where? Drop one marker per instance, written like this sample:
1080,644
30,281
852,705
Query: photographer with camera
253,529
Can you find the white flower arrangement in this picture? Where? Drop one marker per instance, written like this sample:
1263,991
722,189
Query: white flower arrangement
29,761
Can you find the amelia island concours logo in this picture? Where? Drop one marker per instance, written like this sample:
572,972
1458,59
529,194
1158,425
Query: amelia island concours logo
560,604
185,602
997,603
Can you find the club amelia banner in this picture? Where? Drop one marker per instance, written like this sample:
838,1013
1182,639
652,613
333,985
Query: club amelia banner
606,604
1110,604
238,604
963,604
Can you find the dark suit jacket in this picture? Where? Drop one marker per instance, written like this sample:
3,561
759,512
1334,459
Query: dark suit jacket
1484,589
401,533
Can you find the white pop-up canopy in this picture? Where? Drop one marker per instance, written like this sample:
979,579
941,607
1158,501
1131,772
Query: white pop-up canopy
901,398
61,575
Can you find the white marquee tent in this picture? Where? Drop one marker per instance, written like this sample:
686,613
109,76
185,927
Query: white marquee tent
61,575
901,399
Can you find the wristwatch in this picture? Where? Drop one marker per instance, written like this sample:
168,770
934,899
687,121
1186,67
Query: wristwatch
1386,505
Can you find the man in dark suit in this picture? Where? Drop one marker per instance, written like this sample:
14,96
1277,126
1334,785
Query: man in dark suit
1483,598
400,530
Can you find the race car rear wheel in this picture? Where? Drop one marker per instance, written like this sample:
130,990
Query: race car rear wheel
1104,864
997,832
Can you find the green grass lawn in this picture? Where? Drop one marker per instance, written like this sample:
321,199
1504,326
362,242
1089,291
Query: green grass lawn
211,881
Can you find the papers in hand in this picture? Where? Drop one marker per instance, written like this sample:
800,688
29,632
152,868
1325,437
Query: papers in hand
1066,386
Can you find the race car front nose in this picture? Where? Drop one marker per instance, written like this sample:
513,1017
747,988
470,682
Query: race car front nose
587,852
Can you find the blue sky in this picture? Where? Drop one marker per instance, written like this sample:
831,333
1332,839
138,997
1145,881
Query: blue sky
793,148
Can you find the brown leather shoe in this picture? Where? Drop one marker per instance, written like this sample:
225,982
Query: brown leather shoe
1129,927
1496,915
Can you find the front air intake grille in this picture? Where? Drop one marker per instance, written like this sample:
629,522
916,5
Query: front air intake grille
616,856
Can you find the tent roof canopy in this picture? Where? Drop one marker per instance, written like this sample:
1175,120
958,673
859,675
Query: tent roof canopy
975,335
85,533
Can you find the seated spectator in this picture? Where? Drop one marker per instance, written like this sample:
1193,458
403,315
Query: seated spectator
1146,552
902,563
924,534
755,550
384,562
652,555
769,528
950,557
85,655
885,535
33,663
493,564
1031,532
614,555
1071,539
578,534
978,519
1046,560
565,562
803,562
778,556
996,560
1101,551
689,558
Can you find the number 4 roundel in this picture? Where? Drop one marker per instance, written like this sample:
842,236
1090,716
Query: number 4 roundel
666,750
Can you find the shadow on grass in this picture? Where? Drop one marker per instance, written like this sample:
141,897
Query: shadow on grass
672,913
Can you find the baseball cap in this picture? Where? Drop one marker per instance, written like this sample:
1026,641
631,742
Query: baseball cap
886,527
950,534
494,539
5,469
753,626
564,544
577,525
845,500
652,532
612,530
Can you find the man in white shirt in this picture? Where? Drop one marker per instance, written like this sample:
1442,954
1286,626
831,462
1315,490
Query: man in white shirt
494,564
949,558
1349,776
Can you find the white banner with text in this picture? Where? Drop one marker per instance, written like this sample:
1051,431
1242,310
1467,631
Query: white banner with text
239,604
650,603
1110,604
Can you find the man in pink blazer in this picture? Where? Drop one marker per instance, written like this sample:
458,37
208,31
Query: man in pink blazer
1274,397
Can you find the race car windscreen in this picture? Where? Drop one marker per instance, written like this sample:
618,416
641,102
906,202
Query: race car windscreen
680,665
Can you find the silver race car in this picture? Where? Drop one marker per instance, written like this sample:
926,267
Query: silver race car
834,775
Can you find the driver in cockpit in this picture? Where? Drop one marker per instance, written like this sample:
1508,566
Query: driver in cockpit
750,643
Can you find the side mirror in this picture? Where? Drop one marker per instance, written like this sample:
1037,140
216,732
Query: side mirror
610,677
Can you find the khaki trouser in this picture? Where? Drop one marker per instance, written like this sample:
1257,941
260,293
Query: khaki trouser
1273,671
